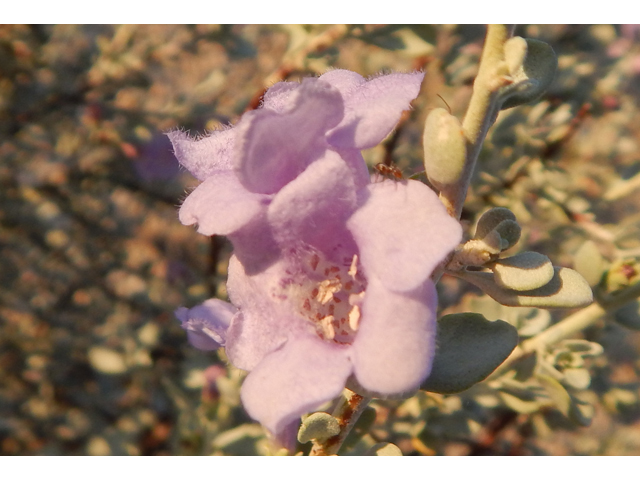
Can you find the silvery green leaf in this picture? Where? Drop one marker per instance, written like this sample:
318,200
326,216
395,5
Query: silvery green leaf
567,289
469,348
515,52
565,358
581,412
318,426
629,315
532,65
384,449
509,231
544,367
578,378
521,397
491,219
528,321
589,263
532,322
557,393
518,404
584,348
524,271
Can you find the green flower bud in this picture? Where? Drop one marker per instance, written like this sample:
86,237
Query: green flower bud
444,148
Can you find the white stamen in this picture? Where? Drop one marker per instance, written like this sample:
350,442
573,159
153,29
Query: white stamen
354,318
353,269
327,327
326,289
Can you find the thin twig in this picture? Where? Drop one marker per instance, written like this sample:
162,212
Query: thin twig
347,413
569,327
482,111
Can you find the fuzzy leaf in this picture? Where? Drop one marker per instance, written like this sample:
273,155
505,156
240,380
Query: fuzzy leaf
567,289
522,272
532,65
519,396
578,378
469,348
491,219
629,315
581,412
384,449
318,426
589,263
584,348
558,394
509,231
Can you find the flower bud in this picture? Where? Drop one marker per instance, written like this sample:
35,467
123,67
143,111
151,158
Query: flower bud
444,148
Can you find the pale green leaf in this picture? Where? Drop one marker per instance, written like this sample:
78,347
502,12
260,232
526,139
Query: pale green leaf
384,449
589,263
318,426
522,272
469,348
629,315
567,289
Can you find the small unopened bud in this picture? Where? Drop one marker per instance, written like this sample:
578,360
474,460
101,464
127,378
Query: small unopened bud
444,148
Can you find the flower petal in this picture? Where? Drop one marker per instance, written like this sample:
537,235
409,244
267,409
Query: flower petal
373,109
314,207
358,166
273,149
207,324
265,320
403,231
205,156
395,344
345,81
279,97
221,205
294,380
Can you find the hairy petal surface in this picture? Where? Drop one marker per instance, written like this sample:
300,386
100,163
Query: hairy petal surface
403,232
395,345
274,148
314,207
296,379
265,320
207,324
373,108
221,205
345,81
279,97
206,156
357,165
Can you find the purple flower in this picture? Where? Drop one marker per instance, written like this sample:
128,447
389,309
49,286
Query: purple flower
330,272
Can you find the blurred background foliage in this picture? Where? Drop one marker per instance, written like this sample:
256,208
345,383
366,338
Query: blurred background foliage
93,260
